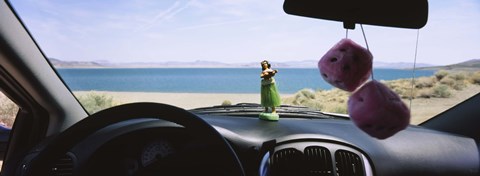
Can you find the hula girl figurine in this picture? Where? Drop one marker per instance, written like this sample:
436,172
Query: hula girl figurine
269,93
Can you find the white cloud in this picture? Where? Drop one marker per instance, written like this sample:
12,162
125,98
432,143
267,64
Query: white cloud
161,15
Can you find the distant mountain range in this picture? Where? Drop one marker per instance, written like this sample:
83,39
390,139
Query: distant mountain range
175,64
399,65
74,64
475,63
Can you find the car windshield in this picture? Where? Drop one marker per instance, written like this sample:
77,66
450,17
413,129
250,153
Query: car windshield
194,54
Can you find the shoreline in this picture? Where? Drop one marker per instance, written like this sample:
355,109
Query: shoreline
182,100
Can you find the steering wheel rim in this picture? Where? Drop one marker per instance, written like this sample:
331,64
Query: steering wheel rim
87,126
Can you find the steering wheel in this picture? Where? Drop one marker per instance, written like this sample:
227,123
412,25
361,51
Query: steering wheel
229,163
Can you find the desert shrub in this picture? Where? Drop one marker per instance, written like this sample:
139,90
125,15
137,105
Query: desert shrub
441,74
302,96
424,82
340,110
475,78
317,105
448,81
226,103
308,93
295,100
402,87
288,100
425,93
441,91
8,110
300,100
459,85
94,102
333,100
457,76
333,95
335,107
398,83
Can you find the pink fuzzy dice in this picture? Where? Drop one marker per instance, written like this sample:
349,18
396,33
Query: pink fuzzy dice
378,111
346,66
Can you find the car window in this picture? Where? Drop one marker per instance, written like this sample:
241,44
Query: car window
195,54
8,113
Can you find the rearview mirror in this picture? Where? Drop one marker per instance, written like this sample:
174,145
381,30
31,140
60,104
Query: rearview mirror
392,13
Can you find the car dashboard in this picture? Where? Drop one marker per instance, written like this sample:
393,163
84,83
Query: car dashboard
290,146
414,151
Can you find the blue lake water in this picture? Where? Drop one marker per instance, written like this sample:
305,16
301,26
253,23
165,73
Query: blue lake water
205,80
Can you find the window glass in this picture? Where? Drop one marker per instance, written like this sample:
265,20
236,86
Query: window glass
193,54
8,112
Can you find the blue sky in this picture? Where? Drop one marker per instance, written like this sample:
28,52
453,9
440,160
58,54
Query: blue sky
234,31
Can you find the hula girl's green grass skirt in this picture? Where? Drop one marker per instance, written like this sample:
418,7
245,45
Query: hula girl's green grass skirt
269,94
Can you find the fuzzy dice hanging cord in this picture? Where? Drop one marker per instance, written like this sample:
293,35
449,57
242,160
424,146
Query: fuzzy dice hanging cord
373,107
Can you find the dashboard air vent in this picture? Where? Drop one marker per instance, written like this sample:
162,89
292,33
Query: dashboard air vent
287,161
318,161
63,166
348,164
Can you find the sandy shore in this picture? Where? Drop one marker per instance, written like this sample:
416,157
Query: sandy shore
425,108
183,100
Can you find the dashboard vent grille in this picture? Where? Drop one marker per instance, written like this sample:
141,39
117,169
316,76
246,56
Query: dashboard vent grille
348,164
318,161
287,162
63,166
